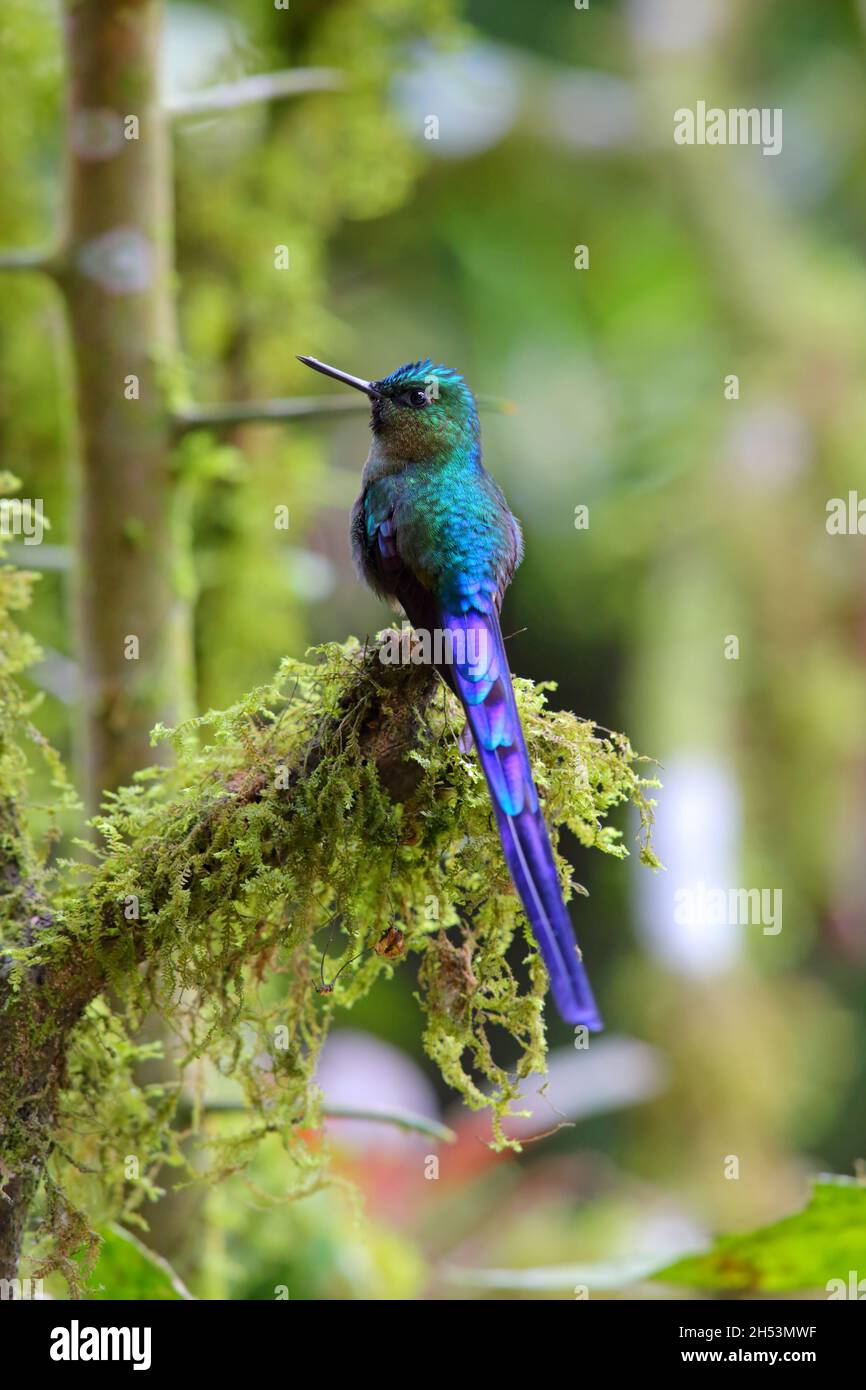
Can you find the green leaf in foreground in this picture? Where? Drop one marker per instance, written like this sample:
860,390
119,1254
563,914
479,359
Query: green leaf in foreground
127,1269
823,1242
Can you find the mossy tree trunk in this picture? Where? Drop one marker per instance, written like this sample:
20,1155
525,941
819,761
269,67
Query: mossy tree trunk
116,277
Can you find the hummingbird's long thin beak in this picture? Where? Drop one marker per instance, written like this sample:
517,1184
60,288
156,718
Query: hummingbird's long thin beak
366,386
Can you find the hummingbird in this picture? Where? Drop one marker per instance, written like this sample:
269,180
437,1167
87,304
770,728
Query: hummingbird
431,530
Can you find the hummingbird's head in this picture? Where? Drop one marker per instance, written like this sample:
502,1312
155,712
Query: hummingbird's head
420,411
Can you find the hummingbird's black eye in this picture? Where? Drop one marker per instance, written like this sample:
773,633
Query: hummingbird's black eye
418,399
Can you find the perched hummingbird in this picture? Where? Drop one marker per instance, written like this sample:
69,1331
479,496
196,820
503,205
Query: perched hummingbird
432,530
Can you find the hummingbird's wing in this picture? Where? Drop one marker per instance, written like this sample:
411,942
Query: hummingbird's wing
375,548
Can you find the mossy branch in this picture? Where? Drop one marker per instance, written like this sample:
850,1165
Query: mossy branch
98,938
335,799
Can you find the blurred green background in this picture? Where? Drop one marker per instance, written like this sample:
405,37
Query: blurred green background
707,521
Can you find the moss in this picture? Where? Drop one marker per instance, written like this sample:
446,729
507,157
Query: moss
212,884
